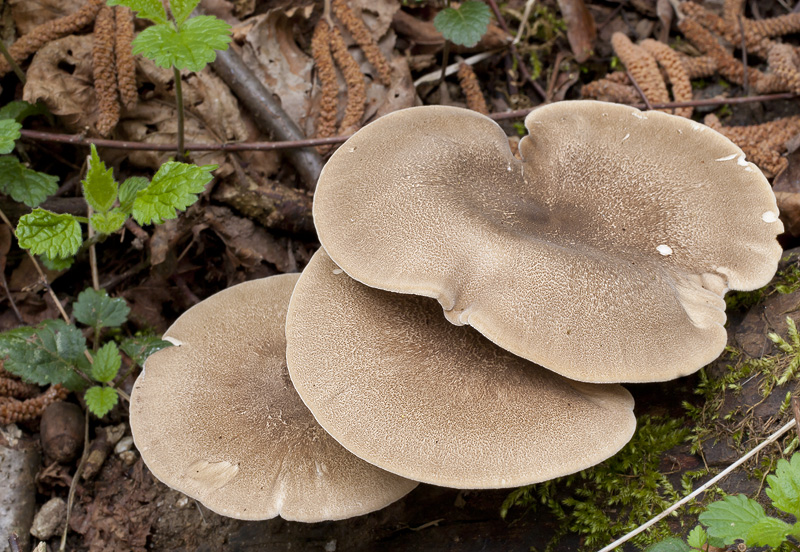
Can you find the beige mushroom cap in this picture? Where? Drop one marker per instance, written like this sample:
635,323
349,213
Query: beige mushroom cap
603,255
390,379
216,417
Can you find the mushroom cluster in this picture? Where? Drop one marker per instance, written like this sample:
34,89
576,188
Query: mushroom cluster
599,256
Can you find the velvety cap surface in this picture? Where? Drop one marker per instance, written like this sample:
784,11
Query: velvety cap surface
395,383
216,417
603,255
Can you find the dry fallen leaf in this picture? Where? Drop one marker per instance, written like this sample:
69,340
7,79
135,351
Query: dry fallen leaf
581,30
28,14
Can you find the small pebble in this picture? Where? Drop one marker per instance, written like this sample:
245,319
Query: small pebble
124,444
49,520
128,457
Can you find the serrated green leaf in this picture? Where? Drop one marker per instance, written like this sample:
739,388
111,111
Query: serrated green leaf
108,223
175,186
732,518
21,110
146,9
107,362
181,9
784,486
464,25
23,184
9,134
56,264
767,532
672,544
697,537
97,309
44,355
99,186
128,191
139,348
100,400
192,48
46,233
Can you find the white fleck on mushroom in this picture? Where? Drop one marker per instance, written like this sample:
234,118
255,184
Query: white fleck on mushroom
664,249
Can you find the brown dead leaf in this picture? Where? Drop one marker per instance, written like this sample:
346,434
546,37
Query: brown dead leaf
377,14
427,40
788,180
581,29
789,206
28,14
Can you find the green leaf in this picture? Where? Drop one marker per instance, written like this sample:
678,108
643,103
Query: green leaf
174,186
672,544
23,184
97,309
181,9
192,48
46,233
732,518
21,110
56,264
464,25
141,347
100,400
107,362
767,532
146,9
128,191
44,355
99,186
697,537
9,133
108,223
784,486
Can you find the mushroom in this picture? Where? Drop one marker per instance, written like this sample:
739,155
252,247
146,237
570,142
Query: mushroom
397,385
216,417
604,254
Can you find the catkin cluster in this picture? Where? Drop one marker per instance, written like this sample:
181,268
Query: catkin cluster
13,410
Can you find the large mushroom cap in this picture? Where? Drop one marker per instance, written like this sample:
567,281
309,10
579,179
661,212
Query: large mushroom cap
390,379
603,255
217,418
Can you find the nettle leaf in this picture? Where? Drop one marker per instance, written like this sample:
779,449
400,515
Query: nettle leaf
46,233
9,134
128,191
174,187
99,186
56,264
464,25
784,486
146,9
44,355
672,544
697,537
139,348
23,184
108,223
97,309
100,400
181,9
21,110
191,48
107,362
767,532
732,518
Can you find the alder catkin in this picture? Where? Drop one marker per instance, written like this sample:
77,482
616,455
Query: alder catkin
323,61
13,411
126,66
783,62
471,88
678,77
356,89
607,90
104,71
642,67
360,33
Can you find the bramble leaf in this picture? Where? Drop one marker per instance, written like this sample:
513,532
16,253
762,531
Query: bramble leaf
191,48
768,532
181,9
20,110
464,25
784,486
100,399
9,134
107,362
23,184
56,263
697,537
174,186
139,348
44,355
128,191
672,544
732,518
99,186
46,233
97,309
146,9
108,223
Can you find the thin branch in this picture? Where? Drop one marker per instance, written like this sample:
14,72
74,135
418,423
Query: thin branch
12,62
181,153
13,542
638,88
10,298
74,483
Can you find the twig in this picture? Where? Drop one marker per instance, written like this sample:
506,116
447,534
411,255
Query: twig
114,280
10,298
13,542
12,62
771,439
524,21
181,153
522,67
453,68
635,84
74,483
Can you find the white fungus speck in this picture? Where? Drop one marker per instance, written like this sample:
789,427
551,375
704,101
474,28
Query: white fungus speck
337,271
638,115
769,216
741,161
664,249
626,136
726,158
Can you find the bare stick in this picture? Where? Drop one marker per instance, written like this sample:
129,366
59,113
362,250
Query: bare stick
74,483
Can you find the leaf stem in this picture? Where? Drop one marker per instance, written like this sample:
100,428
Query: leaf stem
12,62
179,101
